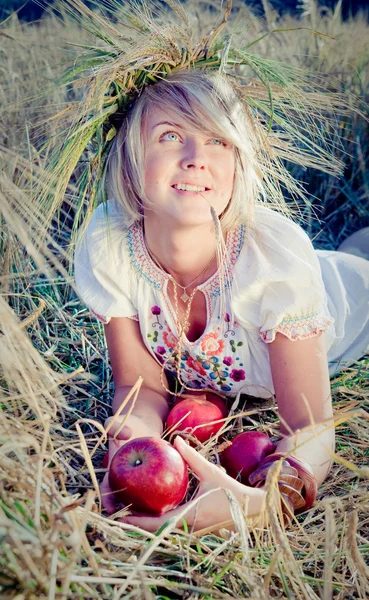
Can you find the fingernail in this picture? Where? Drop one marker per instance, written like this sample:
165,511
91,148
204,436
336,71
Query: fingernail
182,442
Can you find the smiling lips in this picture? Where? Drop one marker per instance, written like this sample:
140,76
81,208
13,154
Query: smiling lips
185,187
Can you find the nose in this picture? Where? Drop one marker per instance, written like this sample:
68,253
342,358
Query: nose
193,156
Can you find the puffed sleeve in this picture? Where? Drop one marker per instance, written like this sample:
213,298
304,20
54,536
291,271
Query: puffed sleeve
102,269
281,287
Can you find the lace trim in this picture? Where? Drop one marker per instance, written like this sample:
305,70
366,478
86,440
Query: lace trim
299,328
146,268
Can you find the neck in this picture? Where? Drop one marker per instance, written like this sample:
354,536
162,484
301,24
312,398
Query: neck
183,253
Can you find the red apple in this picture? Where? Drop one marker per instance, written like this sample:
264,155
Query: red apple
245,453
209,396
193,415
217,400
149,474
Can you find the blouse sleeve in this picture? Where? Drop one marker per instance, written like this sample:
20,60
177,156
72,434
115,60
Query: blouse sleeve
284,291
102,270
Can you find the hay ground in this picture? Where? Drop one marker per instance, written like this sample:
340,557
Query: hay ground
56,382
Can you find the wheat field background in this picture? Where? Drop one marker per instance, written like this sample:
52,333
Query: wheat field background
56,383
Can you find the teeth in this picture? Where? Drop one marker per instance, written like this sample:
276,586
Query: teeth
189,188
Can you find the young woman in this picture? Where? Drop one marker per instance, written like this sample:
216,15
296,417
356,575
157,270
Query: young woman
193,276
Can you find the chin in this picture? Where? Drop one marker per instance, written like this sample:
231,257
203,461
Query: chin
196,221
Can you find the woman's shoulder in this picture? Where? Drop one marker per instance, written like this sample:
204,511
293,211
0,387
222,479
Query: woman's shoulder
108,216
279,238
280,287
102,268
270,223
276,249
105,234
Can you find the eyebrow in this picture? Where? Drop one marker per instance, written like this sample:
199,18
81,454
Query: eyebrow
170,123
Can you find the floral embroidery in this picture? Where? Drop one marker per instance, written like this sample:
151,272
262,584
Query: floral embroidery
229,330
199,369
234,244
195,365
140,258
299,328
237,374
212,361
208,363
170,339
205,365
146,268
211,345
156,311
234,346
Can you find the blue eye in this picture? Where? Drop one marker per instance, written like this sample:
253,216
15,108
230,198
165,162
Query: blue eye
218,142
171,136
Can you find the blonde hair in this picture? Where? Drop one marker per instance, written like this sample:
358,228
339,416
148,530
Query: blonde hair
209,103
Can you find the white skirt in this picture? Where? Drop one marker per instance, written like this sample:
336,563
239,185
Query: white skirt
346,280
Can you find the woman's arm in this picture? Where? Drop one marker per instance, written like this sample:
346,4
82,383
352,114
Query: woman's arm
301,381
130,360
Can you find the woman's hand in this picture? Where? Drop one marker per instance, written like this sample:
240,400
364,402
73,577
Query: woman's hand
134,427
206,509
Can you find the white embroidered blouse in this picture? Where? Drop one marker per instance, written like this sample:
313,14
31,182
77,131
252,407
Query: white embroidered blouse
276,287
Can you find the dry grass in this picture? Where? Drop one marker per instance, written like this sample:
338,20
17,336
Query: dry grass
56,381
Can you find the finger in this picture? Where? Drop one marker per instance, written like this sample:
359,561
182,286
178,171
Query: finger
201,467
189,512
116,429
147,523
107,496
151,522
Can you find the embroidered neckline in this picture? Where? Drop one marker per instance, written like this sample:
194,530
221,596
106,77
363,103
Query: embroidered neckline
145,267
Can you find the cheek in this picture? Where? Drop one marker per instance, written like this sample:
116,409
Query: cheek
228,171
152,173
